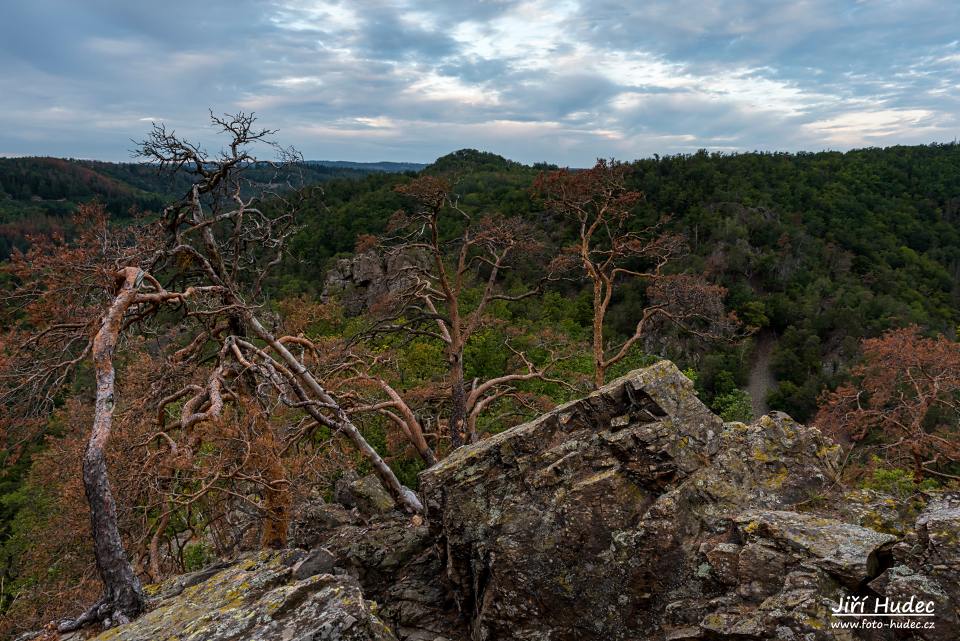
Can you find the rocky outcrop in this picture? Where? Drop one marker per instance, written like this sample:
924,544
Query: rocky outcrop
635,513
362,281
397,562
261,597
631,514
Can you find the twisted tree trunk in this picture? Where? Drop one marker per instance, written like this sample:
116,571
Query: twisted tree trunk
122,598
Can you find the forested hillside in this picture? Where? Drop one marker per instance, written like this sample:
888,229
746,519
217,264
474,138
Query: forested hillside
817,249
38,195
483,296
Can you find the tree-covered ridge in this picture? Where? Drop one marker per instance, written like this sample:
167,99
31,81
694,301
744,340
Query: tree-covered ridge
38,195
817,250
822,249
42,178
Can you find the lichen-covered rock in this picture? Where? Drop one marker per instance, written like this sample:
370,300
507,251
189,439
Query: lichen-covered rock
900,583
560,525
848,552
877,511
772,463
317,561
635,513
724,561
313,521
938,539
396,561
366,494
257,599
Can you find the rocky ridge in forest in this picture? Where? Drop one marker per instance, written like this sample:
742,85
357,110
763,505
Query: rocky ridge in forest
361,281
633,513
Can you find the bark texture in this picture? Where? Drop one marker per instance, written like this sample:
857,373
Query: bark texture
123,597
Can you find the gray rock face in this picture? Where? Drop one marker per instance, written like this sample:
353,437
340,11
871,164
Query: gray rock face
317,561
635,513
395,559
361,281
901,583
938,531
847,552
365,494
566,521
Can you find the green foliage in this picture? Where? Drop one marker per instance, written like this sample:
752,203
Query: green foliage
197,555
375,430
896,481
634,359
824,248
753,314
27,512
729,401
733,406
471,161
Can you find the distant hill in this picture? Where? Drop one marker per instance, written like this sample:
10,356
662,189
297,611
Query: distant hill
38,194
44,180
385,166
471,160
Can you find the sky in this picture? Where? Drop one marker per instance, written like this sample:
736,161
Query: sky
534,80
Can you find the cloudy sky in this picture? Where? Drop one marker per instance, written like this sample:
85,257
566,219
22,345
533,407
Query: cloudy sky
557,80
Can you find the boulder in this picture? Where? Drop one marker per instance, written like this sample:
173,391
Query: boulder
312,522
317,561
365,494
848,552
395,560
258,598
901,583
938,549
563,526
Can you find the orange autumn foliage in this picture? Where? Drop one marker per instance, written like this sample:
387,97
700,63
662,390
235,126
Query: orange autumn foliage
904,401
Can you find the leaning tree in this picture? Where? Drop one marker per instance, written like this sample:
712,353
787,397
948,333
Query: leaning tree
201,269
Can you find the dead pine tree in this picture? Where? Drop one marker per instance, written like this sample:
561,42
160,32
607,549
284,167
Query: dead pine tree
233,244
902,402
370,380
429,293
75,302
612,245
201,268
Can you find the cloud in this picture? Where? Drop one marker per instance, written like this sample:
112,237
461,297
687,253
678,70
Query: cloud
559,80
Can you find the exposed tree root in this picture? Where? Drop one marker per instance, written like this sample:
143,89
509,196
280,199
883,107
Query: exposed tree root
106,611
